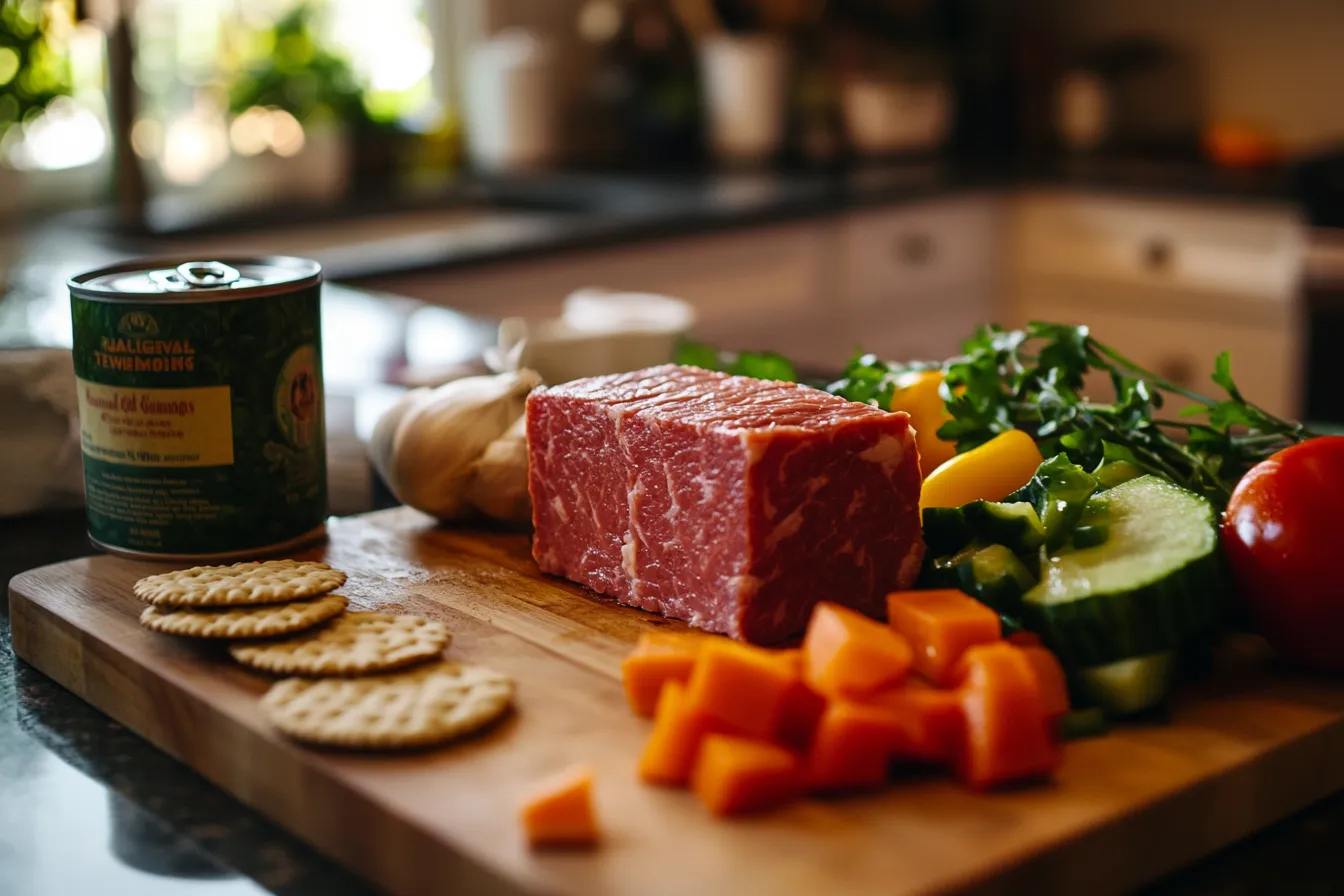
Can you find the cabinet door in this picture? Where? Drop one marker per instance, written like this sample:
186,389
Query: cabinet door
731,278
1249,250
1182,349
914,255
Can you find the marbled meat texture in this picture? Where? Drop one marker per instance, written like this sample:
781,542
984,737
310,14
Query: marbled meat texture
733,503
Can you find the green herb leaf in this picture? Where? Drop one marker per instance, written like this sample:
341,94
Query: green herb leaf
1222,373
764,366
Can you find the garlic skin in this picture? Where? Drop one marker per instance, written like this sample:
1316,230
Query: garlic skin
440,437
498,486
385,432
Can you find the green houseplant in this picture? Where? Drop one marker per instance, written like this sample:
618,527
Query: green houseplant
34,72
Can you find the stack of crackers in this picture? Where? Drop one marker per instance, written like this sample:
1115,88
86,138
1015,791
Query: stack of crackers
356,679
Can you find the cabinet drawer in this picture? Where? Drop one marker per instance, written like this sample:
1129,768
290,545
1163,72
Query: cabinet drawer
1250,250
921,251
1183,350
725,276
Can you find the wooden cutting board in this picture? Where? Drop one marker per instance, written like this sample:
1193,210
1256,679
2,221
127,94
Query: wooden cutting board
1248,748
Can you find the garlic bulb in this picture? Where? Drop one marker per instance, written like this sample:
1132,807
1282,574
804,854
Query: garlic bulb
385,431
498,487
441,436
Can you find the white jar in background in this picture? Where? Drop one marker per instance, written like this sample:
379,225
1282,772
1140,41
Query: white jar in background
745,81
511,103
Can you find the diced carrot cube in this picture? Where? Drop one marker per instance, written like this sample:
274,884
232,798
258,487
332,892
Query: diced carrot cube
1008,734
735,776
1051,678
740,688
657,658
803,708
932,719
560,812
854,746
1025,638
669,753
940,624
846,654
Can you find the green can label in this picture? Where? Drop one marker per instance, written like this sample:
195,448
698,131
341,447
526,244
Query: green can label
202,423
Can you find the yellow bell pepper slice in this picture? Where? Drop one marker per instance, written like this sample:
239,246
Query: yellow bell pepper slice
989,472
917,394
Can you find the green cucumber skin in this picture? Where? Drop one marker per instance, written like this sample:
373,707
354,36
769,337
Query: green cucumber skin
1135,694
1084,723
1016,526
945,530
1107,628
995,576
1090,536
1115,473
1096,629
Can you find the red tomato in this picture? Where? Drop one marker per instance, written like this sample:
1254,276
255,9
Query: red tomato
1279,534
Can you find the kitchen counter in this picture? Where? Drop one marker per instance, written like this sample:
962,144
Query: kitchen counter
87,806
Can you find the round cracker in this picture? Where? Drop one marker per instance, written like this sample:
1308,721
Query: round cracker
428,705
253,582
353,644
265,621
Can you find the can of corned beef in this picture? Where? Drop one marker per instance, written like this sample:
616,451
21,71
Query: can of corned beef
201,411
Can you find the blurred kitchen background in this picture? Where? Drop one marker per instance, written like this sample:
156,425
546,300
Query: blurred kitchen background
807,176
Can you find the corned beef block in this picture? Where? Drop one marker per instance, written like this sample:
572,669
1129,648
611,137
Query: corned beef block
733,503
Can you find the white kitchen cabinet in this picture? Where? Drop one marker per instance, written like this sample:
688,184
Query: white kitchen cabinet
923,276
733,278
1249,250
1182,347
1170,285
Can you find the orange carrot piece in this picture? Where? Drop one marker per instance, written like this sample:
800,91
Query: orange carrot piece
669,753
932,720
1008,734
940,624
560,811
846,654
1051,678
803,708
739,688
1025,638
854,747
657,658
735,775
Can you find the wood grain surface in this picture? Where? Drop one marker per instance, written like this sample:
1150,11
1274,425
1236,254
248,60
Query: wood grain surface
1252,745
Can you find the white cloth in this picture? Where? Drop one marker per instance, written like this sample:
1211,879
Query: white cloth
40,463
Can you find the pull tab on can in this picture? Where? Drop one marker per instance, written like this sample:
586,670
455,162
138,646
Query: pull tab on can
196,274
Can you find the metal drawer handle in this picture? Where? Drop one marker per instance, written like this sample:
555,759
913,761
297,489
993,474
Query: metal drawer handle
1157,255
913,248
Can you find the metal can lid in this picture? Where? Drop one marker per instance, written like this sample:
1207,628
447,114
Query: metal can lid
172,280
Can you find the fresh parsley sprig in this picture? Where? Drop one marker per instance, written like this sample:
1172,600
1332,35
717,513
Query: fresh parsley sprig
1034,378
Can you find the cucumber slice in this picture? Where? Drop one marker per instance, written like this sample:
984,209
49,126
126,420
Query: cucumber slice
1017,525
1130,686
1091,536
1059,490
1112,474
994,576
945,530
1156,582
1081,723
